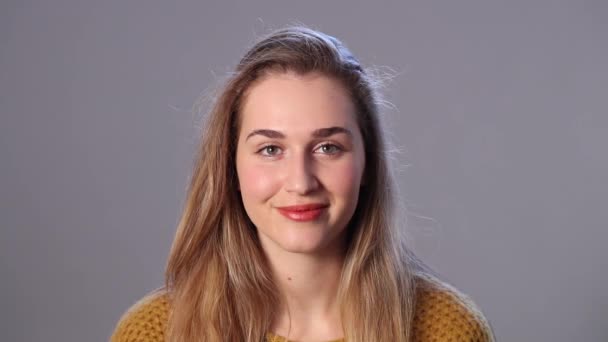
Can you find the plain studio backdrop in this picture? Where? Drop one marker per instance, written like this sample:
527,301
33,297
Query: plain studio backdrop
499,111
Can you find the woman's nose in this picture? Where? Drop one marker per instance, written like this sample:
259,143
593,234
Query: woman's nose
300,178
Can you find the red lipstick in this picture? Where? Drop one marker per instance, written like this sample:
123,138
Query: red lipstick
304,212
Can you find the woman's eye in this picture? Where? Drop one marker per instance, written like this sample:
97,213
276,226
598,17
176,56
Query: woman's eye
270,150
330,149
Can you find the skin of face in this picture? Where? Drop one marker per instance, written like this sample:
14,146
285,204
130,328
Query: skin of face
286,156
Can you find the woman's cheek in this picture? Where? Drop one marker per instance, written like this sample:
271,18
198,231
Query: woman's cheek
258,181
343,179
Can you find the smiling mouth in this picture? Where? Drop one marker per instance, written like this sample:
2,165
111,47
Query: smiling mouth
303,213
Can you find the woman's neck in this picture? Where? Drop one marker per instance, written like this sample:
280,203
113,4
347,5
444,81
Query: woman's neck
309,286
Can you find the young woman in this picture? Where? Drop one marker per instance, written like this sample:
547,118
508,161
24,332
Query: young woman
288,232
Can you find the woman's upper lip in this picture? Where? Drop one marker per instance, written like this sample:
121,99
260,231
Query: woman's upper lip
304,207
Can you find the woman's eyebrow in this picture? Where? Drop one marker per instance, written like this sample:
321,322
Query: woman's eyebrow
329,131
318,133
267,133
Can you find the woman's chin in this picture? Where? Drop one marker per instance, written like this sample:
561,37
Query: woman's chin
305,240
298,242
305,246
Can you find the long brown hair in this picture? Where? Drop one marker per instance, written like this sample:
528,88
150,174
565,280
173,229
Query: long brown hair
218,279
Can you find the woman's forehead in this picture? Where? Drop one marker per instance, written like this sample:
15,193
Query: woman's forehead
290,101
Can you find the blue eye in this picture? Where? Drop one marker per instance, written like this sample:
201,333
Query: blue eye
269,150
330,148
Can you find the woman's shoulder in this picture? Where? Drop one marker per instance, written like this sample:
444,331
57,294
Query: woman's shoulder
443,313
144,321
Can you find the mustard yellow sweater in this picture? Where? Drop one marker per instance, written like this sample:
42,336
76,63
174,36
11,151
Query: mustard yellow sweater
442,314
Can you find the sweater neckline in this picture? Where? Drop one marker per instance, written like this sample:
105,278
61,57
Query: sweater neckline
278,338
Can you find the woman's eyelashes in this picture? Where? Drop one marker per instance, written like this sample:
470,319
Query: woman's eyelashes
329,148
326,148
269,150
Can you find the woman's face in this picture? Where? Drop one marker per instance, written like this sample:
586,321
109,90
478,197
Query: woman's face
300,159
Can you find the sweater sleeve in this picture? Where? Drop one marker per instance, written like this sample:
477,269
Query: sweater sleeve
445,314
145,321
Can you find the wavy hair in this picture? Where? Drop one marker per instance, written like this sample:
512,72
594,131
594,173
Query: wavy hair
218,279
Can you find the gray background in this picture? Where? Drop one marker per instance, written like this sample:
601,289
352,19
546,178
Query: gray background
499,112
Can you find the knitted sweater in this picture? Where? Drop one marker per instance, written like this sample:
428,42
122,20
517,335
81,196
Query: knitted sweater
442,314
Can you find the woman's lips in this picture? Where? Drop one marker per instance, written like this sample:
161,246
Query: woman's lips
305,212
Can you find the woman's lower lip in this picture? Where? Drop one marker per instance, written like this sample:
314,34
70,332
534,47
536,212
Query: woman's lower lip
300,216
